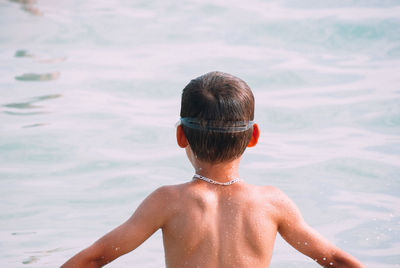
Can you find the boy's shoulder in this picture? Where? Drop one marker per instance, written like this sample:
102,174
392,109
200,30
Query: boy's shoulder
170,193
172,189
172,200
267,194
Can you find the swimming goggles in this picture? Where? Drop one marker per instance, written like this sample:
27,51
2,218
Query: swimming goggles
216,126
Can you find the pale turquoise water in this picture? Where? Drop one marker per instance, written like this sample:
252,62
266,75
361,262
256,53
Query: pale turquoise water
89,95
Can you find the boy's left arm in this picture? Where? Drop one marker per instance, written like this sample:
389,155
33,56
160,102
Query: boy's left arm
305,239
148,218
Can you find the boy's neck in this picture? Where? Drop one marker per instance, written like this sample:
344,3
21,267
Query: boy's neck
220,172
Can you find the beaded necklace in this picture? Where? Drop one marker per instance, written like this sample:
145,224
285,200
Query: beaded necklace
197,176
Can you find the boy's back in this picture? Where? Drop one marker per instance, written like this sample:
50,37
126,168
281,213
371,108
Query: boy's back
219,226
204,223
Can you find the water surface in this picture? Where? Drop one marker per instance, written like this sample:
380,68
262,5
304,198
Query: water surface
89,95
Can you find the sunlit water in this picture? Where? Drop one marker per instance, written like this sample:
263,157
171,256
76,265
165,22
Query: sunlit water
90,93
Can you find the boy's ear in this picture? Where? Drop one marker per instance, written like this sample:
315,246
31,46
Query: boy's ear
181,138
254,138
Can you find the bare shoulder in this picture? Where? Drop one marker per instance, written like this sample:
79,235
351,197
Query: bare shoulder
271,193
167,194
275,199
277,196
270,190
166,190
175,189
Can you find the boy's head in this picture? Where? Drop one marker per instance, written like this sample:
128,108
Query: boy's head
218,109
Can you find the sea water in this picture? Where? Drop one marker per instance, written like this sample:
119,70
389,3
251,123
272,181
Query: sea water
90,93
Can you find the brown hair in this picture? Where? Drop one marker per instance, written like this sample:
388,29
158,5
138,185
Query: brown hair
221,97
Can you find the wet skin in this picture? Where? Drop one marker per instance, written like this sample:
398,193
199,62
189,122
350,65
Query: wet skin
219,226
207,225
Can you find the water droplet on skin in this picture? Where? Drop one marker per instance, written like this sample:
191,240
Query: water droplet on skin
331,263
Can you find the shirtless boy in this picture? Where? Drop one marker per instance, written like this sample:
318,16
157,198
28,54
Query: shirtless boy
215,219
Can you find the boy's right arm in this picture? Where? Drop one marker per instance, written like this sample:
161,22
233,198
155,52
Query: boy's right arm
301,236
148,218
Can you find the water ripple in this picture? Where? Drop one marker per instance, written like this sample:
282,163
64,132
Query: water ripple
38,77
